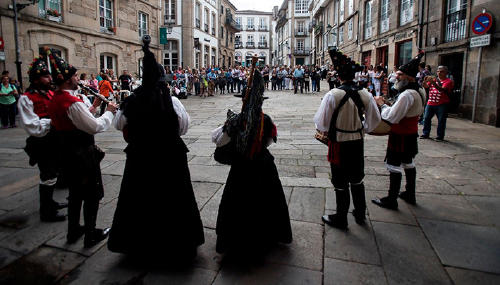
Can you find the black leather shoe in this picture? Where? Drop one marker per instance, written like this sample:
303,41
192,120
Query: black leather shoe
95,236
59,206
386,203
335,221
75,234
360,218
52,217
410,199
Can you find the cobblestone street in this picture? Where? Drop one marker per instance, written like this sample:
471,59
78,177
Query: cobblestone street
451,236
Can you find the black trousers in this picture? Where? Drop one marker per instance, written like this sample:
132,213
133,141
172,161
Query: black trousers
351,164
90,208
8,114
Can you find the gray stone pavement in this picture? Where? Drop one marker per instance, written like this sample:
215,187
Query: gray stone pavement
451,236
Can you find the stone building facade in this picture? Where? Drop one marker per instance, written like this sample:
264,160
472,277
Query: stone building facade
390,32
293,34
228,30
91,35
254,37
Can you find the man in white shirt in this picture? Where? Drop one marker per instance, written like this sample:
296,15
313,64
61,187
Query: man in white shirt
75,127
345,114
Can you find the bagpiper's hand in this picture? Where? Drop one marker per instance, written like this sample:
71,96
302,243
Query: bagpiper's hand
112,107
380,100
92,109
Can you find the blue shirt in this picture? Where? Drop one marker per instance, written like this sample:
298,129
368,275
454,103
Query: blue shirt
298,73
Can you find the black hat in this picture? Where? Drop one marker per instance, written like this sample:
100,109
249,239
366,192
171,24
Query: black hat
38,68
411,68
60,69
344,65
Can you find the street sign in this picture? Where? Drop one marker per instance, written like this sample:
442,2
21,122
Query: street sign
2,44
163,35
480,41
482,23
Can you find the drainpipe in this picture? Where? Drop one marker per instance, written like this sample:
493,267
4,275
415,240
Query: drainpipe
420,22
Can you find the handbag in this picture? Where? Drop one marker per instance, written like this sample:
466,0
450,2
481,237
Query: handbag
225,154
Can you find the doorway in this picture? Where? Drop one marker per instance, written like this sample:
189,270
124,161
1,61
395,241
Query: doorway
383,57
454,62
366,58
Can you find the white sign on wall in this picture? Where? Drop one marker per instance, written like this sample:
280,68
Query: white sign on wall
480,41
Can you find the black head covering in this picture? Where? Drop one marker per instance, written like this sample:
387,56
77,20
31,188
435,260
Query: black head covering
411,68
346,68
38,68
151,117
60,69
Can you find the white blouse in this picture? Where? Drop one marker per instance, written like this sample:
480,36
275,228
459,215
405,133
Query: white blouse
29,121
120,120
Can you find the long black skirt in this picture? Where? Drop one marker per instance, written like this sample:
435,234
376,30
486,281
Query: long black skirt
253,213
156,212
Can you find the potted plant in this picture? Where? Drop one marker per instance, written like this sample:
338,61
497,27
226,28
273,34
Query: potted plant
112,29
53,15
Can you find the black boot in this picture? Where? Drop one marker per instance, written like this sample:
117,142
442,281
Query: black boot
48,211
75,230
391,201
359,202
409,194
92,235
339,220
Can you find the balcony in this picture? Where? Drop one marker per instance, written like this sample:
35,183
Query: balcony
262,45
250,28
206,28
263,28
238,45
250,44
301,33
197,23
231,24
303,51
456,26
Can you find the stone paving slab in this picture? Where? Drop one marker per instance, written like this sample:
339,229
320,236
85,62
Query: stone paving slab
194,276
307,204
344,272
465,246
268,274
407,256
468,277
355,245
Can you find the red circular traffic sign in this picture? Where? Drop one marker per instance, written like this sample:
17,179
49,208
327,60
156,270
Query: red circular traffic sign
482,24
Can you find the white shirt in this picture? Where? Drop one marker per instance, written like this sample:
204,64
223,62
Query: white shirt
83,120
30,121
324,114
401,108
221,138
183,117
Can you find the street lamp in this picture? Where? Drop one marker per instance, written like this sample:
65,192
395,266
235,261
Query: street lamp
18,7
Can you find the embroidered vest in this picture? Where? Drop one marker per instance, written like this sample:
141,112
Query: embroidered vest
58,110
40,103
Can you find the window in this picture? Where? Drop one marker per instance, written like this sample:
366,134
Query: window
300,45
341,9
384,16
213,24
301,6
250,23
222,9
205,56
213,56
139,67
341,35
350,7
336,12
456,13
48,8
170,9
222,32
205,23
250,40
171,55
143,24
368,19
404,52
349,29
262,24
197,13
108,61
106,13
262,41
300,26
406,12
